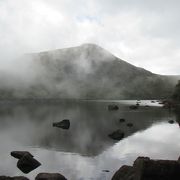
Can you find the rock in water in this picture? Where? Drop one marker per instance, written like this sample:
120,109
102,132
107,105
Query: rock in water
145,168
171,122
13,178
64,124
130,124
124,173
117,135
112,107
20,154
50,176
122,120
133,107
27,163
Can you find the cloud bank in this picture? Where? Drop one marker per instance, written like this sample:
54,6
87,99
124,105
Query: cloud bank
144,33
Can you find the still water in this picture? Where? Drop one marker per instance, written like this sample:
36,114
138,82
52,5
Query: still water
84,151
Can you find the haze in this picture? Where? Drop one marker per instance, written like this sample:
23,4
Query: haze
144,33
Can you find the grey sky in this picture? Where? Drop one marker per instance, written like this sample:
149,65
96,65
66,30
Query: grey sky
144,33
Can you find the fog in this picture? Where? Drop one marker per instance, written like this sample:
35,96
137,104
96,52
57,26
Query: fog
143,33
127,30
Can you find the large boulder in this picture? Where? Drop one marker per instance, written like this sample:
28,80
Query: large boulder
20,154
64,124
50,176
117,135
124,173
146,168
27,163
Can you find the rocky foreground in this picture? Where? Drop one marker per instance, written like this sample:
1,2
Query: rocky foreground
143,168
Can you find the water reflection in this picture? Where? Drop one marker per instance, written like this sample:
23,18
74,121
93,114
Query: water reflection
83,151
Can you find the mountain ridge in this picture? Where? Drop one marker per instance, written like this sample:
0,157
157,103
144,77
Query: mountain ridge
88,71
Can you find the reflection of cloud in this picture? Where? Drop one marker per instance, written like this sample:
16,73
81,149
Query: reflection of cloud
159,141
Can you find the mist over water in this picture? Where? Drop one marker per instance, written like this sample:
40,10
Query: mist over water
85,150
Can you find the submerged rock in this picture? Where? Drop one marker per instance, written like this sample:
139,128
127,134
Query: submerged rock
112,107
64,124
133,107
50,176
122,120
129,124
27,163
105,170
117,135
13,178
20,154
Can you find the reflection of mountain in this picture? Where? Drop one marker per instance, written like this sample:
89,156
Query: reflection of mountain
86,71
91,123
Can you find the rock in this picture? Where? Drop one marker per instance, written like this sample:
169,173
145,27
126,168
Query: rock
146,168
171,122
27,163
152,101
121,120
117,135
13,178
50,176
124,173
105,170
133,107
20,154
137,104
112,107
64,124
129,124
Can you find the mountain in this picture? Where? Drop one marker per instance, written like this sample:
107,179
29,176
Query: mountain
86,72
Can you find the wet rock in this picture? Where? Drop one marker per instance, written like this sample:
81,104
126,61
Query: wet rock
117,135
152,101
27,163
112,107
124,173
105,170
171,122
122,120
130,124
64,124
13,178
137,104
133,107
146,168
50,176
20,154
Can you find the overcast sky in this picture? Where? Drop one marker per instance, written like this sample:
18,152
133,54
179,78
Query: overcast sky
142,32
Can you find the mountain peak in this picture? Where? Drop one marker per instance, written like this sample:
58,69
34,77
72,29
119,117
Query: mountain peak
89,45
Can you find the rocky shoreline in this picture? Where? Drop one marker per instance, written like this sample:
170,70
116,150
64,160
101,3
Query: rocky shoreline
143,168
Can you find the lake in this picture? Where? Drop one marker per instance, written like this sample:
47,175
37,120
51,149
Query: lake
85,152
